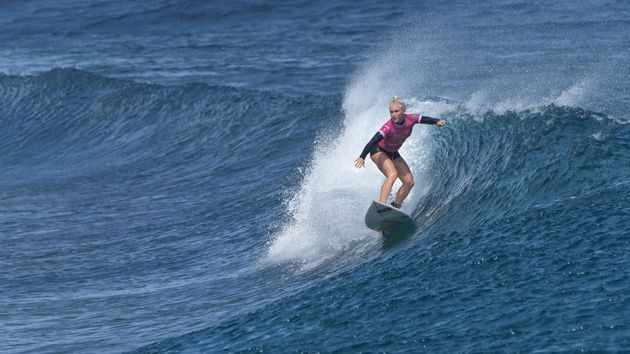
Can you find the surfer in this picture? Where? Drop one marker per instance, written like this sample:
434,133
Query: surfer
383,149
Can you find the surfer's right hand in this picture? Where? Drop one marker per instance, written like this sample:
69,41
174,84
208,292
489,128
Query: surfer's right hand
359,162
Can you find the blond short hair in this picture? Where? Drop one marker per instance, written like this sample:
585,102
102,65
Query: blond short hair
397,101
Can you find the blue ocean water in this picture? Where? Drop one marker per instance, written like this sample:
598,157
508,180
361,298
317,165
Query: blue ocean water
177,176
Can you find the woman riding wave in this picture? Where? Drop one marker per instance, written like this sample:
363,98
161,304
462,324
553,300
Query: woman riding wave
383,149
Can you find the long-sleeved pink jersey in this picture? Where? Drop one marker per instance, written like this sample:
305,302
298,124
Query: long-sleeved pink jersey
394,135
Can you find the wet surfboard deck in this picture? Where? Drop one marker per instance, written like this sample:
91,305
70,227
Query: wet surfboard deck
380,217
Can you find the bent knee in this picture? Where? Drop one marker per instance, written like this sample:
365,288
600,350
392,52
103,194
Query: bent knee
409,183
392,177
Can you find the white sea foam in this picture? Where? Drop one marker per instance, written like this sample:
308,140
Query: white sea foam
483,100
574,95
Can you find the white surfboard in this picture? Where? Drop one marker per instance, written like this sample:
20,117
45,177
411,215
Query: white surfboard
380,216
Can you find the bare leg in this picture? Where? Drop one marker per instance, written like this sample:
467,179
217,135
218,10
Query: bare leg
404,173
386,165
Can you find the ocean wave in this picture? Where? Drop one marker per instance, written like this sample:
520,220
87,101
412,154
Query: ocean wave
75,119
479,169
500,165
529,172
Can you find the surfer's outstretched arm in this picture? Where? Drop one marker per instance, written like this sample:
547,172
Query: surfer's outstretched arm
432,121
360,161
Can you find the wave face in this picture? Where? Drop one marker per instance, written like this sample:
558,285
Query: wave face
515,240
120,197
178,177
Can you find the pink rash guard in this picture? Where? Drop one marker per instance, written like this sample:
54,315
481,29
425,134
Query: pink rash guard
394,135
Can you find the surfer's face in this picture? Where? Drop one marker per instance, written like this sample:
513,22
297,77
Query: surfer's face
396,112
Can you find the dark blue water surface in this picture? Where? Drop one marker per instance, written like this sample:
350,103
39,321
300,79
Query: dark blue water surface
177,176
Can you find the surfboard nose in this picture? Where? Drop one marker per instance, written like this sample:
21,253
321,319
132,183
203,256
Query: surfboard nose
380,216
